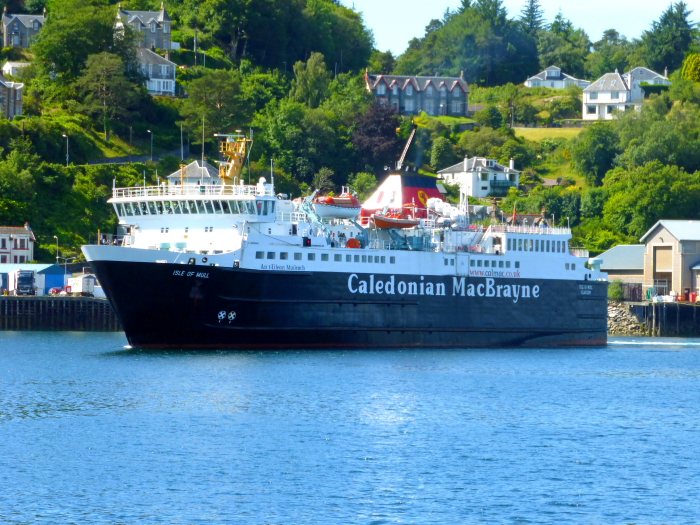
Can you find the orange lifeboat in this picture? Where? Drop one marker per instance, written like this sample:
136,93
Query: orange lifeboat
346,206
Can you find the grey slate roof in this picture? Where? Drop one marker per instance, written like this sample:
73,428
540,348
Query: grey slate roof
419,83
542,75
144,16
10,230
146,56
643,74
27,20
623,257
608,82
194,170
474,164
681,230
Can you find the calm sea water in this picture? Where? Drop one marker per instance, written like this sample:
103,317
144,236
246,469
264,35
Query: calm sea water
91,432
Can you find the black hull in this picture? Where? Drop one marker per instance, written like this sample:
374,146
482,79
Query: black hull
168,305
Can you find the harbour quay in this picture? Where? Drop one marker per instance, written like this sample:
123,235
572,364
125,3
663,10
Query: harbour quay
83,314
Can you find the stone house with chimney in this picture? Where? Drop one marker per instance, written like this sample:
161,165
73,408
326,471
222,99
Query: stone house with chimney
20,30
410,95
155,27
11,98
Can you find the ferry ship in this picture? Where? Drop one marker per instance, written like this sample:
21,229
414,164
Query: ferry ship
220,264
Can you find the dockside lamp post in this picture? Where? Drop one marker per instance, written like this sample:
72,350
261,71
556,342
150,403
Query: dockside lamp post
67,153
151,144
56,237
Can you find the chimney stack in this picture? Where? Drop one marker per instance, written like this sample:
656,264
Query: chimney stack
512,163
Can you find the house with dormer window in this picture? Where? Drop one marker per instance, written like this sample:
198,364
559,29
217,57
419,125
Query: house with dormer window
20,30
614,91
154,27
16,244
410,95
159,72
553,77
480,177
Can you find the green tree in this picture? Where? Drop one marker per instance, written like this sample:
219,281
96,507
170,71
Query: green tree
216,99
691,67
641,196
375,138
364,184
442,154
669,38
489,117
74,31
594,152
382,62
484,143
615,291
312,80
593,202
105,90
532,17
323,180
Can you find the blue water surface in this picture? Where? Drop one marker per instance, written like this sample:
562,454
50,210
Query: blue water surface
93,432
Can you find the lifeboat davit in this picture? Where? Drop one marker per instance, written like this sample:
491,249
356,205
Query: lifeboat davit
346,206
394,219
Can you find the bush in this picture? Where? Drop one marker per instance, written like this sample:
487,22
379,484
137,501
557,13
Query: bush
615,291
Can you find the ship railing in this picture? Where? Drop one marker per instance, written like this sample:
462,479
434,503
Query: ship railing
166,190
377,244
295,216
530,230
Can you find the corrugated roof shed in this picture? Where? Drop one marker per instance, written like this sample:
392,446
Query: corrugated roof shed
623,257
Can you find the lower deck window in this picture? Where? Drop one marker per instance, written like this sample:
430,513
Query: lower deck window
259,255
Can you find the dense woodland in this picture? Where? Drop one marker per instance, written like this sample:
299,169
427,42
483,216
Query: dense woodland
291,72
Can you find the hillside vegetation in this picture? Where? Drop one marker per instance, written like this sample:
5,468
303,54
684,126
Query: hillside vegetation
292,74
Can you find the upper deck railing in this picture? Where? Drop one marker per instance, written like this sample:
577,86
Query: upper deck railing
194,190
530,230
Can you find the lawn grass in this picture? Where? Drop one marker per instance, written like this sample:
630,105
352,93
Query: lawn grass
537,134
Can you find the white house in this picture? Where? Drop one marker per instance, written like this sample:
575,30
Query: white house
159,71
614,91
480,177
552,77
16,244
607,94
12,68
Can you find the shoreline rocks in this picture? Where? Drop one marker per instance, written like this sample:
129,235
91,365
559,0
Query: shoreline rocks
622,322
